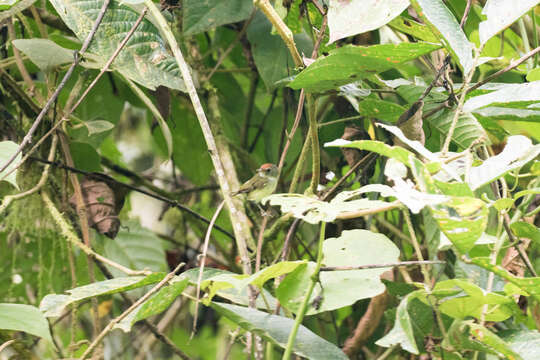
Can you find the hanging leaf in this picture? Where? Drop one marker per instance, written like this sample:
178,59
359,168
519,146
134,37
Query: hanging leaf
509,95
45,53
26,318
7,149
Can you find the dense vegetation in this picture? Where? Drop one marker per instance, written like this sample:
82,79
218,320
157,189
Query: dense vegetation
405,220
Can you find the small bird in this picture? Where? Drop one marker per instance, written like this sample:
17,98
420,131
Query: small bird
262,184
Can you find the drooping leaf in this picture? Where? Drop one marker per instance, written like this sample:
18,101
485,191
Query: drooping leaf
402,332
53,305
276,329
518,151
45,53
368,15
98,126
509,95
203,15
341,288
351,63
442,22
26,318
7,149
501,14
158,303
144,59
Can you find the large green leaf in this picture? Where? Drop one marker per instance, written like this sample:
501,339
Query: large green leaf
144,59
351,63
467,129
45,53
402,332
341,288
508,95
501,14
203,15
7,149
276,329
462,220
26,318
524,342
136,248
53,304
442,22
368,15
379,109
158,303
411,27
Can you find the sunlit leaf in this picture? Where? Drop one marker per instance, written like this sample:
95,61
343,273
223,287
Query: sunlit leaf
26,318
7,149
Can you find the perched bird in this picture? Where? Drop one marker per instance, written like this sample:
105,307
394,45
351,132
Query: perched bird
262,184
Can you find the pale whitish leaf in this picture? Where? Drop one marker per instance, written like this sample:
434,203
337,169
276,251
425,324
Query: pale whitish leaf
506,95
484,239
518,151
26,318
402,332
157,303
441,19
276,329
144,59
53,305
524,342
501,14
45,53
7,149
314,211
341,288
98,126
502,113
368,15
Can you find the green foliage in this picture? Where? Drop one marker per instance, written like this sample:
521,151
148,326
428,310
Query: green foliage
455,207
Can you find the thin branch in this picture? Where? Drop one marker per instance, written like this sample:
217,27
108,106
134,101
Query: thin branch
28,137
378,266
116,320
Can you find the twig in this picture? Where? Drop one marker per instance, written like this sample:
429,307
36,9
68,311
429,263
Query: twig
202,261
260,241
116,320
105,178
67,231
378,266
350,118
315,148
6,344
355,214
28,137
511,66
346,176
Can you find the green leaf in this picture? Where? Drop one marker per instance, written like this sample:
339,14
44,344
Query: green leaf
503,204
53,305
533,75
531,285
501,14
341,288
26,318
85,157
144,59
313,210
6,4
462,220
518,151
467,131
203,15
395,152
443,23
158,303
402,332
45,53
271,56
7,149
411,27
379,109
533,191
523,229
352,63
276,330
98,126
509,95
136,248
368,15
492,113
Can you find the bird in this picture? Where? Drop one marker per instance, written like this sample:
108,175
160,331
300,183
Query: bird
261,185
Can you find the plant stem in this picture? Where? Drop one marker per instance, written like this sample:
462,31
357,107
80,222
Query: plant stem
315,149
305,303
